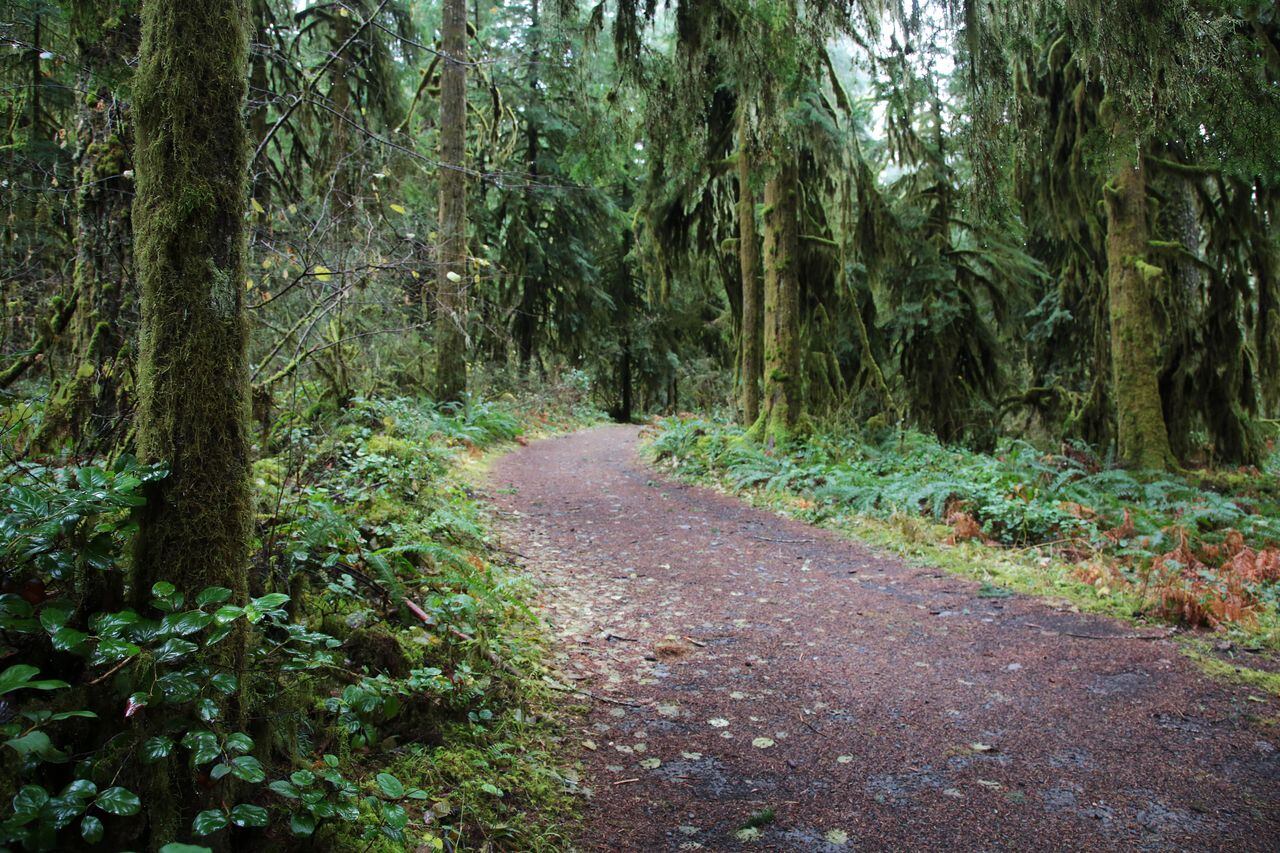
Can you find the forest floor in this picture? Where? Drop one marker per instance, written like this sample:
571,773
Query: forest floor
760,683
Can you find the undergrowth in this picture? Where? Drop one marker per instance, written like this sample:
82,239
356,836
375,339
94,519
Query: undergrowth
393,697
1198,549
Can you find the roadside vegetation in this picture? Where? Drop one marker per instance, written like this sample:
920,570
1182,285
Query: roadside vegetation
392,694
1198,549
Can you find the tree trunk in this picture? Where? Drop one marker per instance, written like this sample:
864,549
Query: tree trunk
781,404
189,226
1141,437
88,405
752,286
451,315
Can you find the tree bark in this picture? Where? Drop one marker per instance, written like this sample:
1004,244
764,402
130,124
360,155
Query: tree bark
1142,440
451,314
88,405
781,404
189,228
752,287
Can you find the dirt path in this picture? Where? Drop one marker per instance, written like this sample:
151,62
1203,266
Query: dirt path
856,696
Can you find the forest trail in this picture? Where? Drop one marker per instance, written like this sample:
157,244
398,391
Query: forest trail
869,703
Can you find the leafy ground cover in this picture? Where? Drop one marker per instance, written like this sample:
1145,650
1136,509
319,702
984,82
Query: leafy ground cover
391,692
1200,550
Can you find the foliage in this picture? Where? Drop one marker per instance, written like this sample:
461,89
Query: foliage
1205,552
400,624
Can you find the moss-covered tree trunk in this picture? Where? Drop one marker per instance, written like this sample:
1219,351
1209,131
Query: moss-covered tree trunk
189,223
87,405
752,342
451,309
780,409
1142,440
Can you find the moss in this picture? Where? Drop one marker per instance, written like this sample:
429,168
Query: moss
750,356
188,219
451,311
781,407
1142,437
388,445
378,649
1212,665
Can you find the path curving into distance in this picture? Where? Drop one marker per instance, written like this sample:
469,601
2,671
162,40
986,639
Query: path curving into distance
748,663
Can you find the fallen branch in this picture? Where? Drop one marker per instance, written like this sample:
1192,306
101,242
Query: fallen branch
567,689
783,541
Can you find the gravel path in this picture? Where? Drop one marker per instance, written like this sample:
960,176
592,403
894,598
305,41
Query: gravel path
749,665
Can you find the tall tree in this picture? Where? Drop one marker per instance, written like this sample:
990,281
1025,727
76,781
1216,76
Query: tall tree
1142,438
188,218
782,402
750,350
91,400
451,263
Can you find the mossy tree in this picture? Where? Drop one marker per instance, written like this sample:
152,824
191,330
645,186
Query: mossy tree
751,338
189,221
89,402
451,260
1142,438
781,404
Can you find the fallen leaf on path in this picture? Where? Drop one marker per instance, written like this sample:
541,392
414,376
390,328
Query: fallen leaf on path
762,743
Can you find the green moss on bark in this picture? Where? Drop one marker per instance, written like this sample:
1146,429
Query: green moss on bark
1142,439
88,402
752,286
451,316
781,406
188,215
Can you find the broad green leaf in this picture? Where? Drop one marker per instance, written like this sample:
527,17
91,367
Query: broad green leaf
238,742
213,595
29,800
246,814
248,768
390,785
154,749
284,788
302,823
36,744
209,822
91,829
18,676
118,801
174,649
